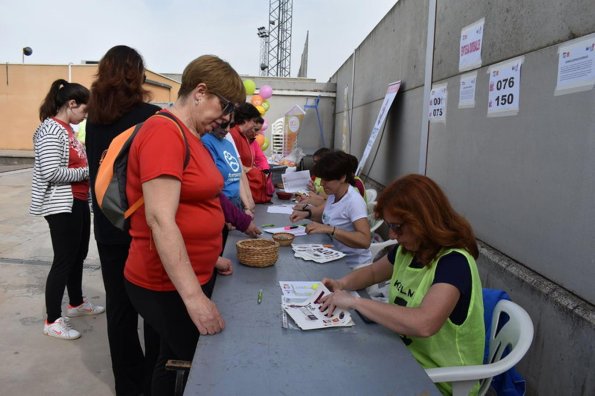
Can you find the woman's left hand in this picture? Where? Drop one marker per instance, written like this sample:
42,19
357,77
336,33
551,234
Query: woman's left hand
224,266
339,299
317,228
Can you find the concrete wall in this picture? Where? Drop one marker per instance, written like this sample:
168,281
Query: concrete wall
24,86
525,182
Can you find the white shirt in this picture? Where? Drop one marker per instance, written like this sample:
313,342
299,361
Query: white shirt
342,214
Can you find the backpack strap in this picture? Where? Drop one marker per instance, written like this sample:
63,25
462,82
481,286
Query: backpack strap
168,115
139,202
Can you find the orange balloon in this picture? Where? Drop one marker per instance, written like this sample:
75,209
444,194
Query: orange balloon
257,100
260,139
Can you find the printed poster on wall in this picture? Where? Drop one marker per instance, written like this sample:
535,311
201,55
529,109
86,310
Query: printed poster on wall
470,46
467,90
437,105
389,97
576,66
505,80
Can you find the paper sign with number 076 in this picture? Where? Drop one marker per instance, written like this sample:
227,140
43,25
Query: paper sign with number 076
505,80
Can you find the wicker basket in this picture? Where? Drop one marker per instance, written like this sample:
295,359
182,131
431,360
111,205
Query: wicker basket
257,252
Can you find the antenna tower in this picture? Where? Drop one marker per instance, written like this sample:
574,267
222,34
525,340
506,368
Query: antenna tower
279,40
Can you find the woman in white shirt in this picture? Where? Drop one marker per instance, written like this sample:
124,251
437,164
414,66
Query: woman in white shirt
344,216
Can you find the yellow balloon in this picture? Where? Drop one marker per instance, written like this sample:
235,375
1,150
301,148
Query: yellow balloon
249,86
265,145
261,110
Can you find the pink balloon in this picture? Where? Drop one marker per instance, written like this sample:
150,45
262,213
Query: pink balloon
265,91
265,125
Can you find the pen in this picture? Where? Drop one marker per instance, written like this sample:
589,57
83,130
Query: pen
267,225
259,299
291,227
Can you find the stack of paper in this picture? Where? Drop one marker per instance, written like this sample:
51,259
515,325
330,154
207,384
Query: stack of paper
307,314
316,252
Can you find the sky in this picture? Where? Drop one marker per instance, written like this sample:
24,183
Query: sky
169,34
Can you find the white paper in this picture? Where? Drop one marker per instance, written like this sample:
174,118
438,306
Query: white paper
505,80
470,46
282,209
316,252
295,230
389,97
296,181
307,315
298,290
437,105
576,66
467,90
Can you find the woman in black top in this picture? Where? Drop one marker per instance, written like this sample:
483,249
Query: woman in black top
118,101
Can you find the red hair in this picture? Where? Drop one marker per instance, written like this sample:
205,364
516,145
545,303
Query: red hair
424,208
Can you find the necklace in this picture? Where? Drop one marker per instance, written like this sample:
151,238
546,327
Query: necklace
337,198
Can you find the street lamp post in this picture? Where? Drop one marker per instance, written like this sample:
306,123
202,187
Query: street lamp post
27,51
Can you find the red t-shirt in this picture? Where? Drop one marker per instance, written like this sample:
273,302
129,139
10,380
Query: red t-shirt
158,150
77,158
243,146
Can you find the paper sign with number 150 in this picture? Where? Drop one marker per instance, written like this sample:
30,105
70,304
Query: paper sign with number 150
505,80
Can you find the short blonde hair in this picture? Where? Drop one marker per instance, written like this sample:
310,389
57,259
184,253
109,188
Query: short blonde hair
218,75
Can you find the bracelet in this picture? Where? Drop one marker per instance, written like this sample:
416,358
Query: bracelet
333,233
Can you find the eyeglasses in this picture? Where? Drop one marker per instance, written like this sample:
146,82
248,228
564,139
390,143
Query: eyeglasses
397,228
227,106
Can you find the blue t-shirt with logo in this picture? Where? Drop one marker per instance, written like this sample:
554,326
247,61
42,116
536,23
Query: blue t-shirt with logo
225,157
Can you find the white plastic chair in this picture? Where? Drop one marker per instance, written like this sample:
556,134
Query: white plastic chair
374,222
371,195
517,334
376,247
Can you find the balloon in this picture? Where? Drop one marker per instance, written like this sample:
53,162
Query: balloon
266,105
261,110
257,100
265,91
265,125
250,86
259,139
265,145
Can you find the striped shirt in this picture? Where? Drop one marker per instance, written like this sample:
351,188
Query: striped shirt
51,191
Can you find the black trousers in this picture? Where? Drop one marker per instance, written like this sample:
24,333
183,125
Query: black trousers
132,369
167,314
70,242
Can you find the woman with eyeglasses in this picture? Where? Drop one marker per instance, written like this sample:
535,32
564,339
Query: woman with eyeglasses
118,101
344,216
435,296
60,193
176,235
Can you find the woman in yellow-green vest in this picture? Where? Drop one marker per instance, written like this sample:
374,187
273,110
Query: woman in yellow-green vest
435,297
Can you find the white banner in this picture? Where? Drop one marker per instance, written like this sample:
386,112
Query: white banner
389,97
470,46
437,105
576,66
467,90
505,80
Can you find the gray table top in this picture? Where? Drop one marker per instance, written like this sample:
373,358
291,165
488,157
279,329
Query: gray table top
255,355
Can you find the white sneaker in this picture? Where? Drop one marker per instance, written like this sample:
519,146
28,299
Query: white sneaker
60,329
86,308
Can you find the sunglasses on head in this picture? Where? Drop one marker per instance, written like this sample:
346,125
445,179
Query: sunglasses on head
397,228
227,106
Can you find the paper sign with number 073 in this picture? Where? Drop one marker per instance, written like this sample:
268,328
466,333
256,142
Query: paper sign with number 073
503,91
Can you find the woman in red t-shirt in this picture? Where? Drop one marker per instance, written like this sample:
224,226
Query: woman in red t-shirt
176,235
